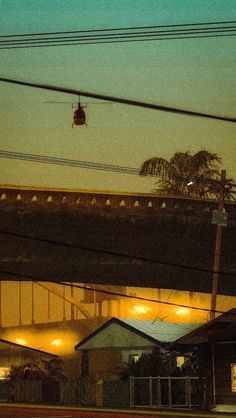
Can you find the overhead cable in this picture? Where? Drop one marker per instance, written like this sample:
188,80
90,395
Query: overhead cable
184,25
116,254
68,162
114,42
126,34
113,36
120,100
44,159
27,277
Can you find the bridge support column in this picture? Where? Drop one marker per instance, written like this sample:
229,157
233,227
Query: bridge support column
72,307
100,309
109,308
32,298
49,305
64,303
191,300
20,307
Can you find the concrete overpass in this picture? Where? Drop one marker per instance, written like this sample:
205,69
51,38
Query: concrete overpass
106,238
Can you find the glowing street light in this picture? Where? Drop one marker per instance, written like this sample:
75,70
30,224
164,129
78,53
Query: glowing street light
182,311
57,343
21,341
140,309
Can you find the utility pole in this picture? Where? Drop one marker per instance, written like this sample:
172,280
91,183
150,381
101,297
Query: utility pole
20,307
216,265
0,304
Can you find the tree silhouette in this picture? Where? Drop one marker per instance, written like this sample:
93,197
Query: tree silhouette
184,174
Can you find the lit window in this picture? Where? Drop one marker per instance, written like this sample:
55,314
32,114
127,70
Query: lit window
233,377
4,373
134,358
180,361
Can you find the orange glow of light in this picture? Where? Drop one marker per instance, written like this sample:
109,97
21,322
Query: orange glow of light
21,341
140,309
182,311
57,343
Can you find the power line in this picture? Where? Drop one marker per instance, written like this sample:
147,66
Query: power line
103,167
160,310
68,162
120,100
95,42
113,36
144,299
116,254
40,37
224,22
107,292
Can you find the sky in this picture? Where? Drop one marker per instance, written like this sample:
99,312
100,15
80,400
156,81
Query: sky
197,74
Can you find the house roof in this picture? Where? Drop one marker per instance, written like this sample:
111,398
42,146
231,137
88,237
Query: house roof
156,332
222,328
23,347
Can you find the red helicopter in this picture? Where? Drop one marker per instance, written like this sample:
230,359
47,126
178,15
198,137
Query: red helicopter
79,116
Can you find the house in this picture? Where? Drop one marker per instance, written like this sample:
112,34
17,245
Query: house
216,345
106,353
212,345
13,354
119,341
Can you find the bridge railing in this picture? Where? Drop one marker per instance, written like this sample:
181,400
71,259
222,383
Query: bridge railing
107,201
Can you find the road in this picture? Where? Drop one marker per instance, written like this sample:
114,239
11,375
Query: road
23,411
31,412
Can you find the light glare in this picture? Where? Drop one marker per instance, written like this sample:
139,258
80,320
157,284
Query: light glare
21,341
182,311
141,309
57,343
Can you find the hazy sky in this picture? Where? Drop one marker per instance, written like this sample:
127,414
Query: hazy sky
193,74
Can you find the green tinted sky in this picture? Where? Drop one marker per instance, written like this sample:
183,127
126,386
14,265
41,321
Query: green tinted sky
192,74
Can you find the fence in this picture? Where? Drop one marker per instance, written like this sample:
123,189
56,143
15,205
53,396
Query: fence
165,392
27,391
80,391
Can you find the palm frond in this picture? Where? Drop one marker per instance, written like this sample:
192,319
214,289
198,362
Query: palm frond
182,162
195,175
156,167
205,159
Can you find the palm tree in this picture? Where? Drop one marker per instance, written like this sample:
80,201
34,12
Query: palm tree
184,174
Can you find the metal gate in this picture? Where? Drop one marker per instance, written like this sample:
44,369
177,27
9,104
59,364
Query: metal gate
165,392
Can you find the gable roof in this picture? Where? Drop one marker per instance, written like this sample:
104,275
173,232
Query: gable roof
24,347
157,332
217,328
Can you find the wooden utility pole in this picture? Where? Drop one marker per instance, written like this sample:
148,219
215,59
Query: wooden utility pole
216,265
0,304
64,303
20,308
